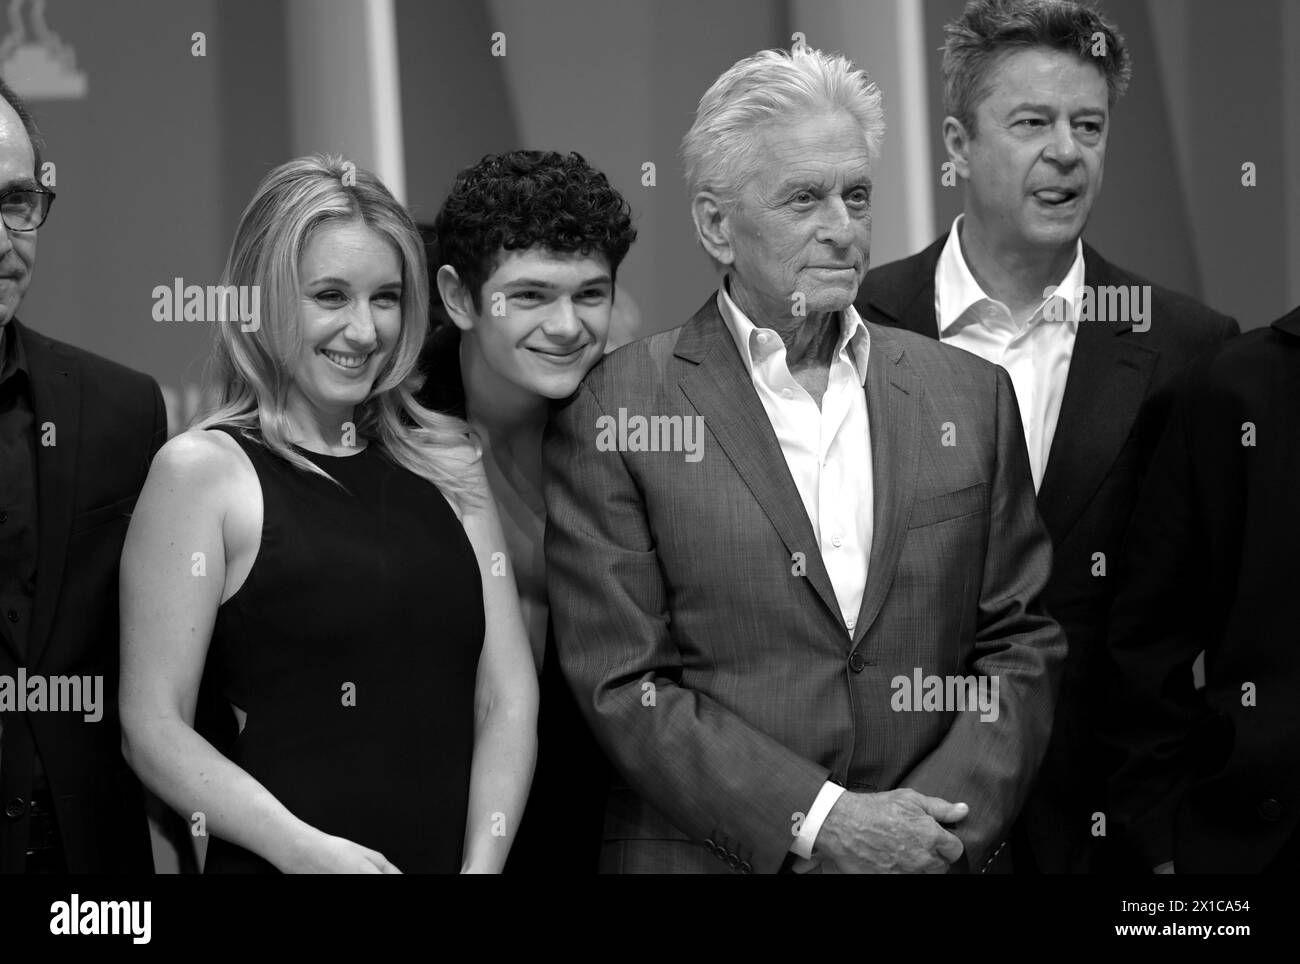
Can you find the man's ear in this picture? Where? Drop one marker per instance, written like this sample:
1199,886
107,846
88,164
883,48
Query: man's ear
456,298
957,141
712,226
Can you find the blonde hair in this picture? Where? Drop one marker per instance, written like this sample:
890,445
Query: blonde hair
250,372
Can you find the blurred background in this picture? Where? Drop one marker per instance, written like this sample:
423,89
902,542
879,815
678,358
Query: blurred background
161,116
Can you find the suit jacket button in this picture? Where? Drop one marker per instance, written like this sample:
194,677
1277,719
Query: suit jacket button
733,861
745,867
857,663
1270,809
15,808
710,846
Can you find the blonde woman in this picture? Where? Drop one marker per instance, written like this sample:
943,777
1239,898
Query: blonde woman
329,548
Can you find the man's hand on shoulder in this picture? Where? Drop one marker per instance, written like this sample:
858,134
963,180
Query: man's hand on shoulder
897,832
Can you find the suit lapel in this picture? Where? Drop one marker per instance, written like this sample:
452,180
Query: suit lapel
722,392
1110,368
1289,323
1107,381
905,299
893,407
56,400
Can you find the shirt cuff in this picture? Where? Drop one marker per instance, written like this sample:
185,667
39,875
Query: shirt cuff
812,823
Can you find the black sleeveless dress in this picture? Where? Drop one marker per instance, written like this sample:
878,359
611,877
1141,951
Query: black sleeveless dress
353,646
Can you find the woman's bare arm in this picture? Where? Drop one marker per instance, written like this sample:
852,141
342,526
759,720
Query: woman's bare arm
505,702
173,579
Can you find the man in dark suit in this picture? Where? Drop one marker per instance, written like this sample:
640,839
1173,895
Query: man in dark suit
1209,780
793,559
77,434
1091,348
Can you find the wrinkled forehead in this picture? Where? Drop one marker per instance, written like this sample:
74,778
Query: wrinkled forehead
822,151
1043,76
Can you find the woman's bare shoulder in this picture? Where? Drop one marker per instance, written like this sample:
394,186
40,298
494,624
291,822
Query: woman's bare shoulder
201,464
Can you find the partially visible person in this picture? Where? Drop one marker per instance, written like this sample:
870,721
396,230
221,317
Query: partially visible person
77,433
526,251
1029,89
327,545
1209,778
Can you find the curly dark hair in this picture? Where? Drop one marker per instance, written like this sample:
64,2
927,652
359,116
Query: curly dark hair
520,199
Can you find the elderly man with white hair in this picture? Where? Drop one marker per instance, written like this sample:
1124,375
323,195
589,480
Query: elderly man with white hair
812,640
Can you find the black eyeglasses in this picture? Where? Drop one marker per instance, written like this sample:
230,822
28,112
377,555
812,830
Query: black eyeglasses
25,208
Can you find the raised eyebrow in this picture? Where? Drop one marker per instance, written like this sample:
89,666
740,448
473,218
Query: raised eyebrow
597,281
528,283
21,184
794,184
1032,108
1049,109
334,282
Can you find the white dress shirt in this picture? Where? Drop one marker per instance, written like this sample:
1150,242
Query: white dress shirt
1035,354
828,452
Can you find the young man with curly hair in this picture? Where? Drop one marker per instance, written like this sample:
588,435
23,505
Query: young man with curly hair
524,256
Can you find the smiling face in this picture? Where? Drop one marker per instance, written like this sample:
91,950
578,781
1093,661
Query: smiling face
1034,167
349,304
17,248
543,319
802,223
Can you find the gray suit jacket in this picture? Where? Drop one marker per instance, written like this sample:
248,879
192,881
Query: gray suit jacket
698,628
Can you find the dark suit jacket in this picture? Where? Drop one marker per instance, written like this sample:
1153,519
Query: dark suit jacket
720,676
1116,402
1211,779
108,423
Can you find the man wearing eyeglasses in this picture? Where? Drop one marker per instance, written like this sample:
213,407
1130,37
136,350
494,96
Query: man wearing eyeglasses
77,433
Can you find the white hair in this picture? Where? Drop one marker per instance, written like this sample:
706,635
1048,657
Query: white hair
767,88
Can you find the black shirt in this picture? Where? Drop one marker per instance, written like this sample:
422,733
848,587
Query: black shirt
17,491
444,390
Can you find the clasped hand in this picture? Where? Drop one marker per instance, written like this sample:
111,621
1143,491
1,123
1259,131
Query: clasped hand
896,832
